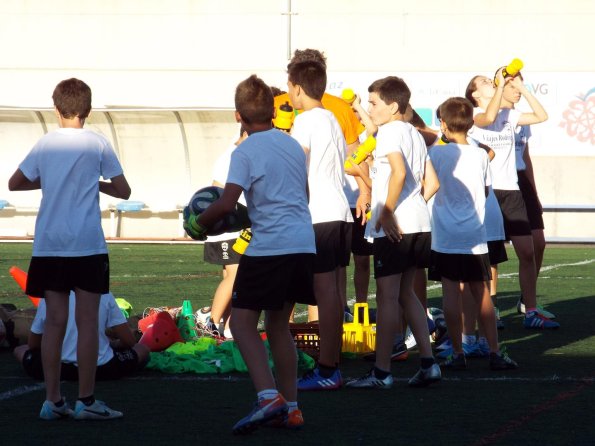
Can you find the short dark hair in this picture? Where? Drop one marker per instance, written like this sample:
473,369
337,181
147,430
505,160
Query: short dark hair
392,89
254,101
308,55
310,76
457,114
472,88
72,98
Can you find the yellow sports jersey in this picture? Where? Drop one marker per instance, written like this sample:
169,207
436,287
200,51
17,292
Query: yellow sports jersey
347,118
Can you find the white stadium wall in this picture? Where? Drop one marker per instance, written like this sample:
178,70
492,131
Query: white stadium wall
163,76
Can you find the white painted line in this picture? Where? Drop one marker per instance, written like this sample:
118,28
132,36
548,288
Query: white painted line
20,391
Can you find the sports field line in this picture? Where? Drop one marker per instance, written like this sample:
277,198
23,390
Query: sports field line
20,390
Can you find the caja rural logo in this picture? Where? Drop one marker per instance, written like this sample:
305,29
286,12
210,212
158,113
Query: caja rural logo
579,118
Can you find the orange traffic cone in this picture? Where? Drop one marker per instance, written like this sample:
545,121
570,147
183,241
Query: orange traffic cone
161,333
20,277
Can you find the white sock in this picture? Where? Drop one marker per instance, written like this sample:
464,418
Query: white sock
292,405
267,394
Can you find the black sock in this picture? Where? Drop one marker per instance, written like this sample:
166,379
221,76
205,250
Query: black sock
88,400
325,371
426,363
59,403
380,374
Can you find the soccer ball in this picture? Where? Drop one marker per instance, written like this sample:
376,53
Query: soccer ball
203,316
203,198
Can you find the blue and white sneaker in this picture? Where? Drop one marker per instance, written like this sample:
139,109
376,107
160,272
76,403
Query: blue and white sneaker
370,381
49,411
312,380
539,321
470,350
96,411
264,411
520,308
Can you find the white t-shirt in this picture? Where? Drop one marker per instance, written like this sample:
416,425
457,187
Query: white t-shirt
69,163
521,137
220,172
499,136
271,168
318,130
110,315
411,211
459,205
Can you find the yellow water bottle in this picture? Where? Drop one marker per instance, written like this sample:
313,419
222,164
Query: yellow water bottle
348,95
362,152
242,241
511,70
284,119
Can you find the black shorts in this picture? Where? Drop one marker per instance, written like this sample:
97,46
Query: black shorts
497,252
123,363
460,267
89,273
360,246
395,258
267,282
221,253
534,211
516,222
333,245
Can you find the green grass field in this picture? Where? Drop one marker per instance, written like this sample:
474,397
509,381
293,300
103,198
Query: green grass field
547,401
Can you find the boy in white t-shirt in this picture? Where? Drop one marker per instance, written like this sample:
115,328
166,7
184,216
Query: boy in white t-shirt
69,249
321,137
495,127
275,272
459,238
400,227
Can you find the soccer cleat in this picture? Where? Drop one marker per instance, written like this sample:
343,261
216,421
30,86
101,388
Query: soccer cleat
499,322
49,411
539,321
501,361
369,381
96,411
455,362
264,411
312,380
520,308
293,420
399,353
470,350
425,377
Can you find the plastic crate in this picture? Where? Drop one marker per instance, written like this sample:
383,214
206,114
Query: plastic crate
359,337
306,337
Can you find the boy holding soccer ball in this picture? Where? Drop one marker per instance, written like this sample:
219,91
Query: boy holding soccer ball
69,249
276,270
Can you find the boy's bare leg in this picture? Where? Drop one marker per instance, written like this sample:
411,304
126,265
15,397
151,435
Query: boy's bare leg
244,327
283,351
420,284
487,315
222,298
452,307
387,300
470,309
523,246
330,308
51,342
538,248
415,313
87,320
494,284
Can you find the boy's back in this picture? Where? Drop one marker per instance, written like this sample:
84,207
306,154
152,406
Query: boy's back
69,163
459,205
271,168
318,130
412,212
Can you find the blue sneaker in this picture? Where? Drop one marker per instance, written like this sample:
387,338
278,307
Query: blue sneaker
314,381
49,411
264,411
538,321
470,350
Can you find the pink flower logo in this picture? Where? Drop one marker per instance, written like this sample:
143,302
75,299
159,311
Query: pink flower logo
579,118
